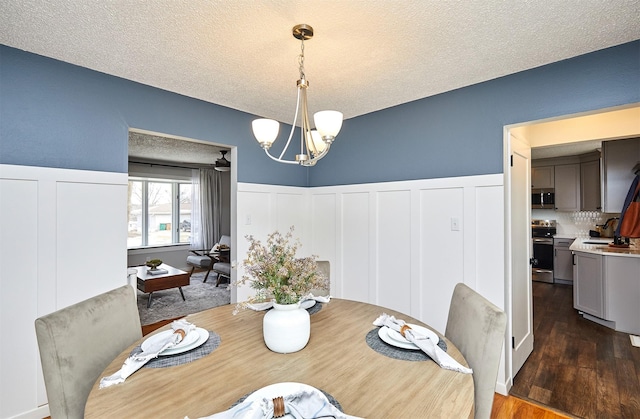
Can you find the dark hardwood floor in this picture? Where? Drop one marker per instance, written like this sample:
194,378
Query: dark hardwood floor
577,366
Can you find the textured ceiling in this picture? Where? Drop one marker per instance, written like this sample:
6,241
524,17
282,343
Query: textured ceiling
144,147
365,55
569,149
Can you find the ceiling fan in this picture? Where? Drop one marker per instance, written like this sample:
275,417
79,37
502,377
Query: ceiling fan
222,164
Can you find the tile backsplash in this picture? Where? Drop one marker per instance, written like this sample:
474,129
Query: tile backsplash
573,224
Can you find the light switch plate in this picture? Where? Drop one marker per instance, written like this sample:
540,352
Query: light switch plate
455,224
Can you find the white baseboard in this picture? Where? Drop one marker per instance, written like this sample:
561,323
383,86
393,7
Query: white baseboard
502,388
39,413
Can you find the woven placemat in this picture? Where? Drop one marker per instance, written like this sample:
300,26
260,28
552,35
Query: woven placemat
184,358
382,347
329,397
312,310
315,308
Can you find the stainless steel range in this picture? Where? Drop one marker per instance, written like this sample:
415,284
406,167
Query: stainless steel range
542,232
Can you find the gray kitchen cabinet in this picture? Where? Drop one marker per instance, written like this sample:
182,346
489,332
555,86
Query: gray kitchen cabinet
622,292
542,177
588,286
562,261
618,159
567,187
590,197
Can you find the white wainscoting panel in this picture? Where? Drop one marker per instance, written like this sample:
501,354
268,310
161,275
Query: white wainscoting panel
91,214
323,234
292,210
430,255
355,241
489,243
254,219
441,263
406,228
402,245
64,239
490,252
392,242
18,295
263,209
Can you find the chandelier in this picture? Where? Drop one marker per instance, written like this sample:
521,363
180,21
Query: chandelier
314,143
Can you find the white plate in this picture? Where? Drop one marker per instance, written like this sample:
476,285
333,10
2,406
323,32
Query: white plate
281,389
203,336
307,304
268,304
192,340
385,334
382,332
260,306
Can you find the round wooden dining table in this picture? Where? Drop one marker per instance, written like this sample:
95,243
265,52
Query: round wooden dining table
337,360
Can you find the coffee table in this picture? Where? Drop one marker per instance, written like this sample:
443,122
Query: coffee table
174,278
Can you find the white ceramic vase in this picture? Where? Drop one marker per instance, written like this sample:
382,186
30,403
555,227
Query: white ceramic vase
286,328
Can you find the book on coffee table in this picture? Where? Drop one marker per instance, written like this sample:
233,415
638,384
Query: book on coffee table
157,271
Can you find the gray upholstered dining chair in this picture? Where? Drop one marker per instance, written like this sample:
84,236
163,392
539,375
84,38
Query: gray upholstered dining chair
78,342
324,267
477,328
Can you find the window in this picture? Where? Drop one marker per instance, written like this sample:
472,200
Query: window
159,212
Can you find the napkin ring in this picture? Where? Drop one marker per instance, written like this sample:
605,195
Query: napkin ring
403,329
180,332
278,407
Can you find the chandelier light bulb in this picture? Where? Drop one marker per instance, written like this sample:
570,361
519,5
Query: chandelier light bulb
317,142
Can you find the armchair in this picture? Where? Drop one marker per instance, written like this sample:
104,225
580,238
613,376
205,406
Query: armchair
207,259
223,267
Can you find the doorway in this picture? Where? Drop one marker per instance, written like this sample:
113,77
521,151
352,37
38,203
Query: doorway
156,155
554,137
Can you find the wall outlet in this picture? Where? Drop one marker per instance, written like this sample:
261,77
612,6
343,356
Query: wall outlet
455,224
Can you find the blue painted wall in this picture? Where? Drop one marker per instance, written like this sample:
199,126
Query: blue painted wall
55,114
460,132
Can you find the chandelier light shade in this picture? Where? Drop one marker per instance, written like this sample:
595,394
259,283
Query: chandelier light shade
314,143
265,131
328,123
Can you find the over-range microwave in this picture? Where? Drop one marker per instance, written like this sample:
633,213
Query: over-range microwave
543,198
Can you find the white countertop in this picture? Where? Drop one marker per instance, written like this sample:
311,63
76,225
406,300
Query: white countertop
600,245
564,236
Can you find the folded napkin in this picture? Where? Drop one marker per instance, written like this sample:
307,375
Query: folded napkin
303,404
428,346
269,304
132,364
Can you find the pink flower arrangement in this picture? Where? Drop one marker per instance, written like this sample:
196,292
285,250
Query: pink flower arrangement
274,271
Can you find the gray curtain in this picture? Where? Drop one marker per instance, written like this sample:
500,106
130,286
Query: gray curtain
206,208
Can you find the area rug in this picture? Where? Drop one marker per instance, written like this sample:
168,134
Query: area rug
168,304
